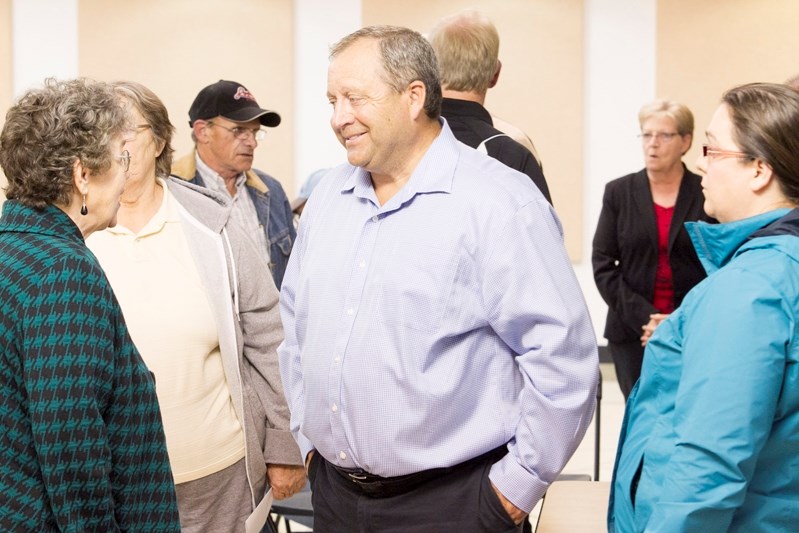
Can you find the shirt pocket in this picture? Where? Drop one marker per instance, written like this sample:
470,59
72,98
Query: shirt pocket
417,285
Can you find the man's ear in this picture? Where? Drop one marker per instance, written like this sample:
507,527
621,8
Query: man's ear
80,177
200,130
417,93
495,77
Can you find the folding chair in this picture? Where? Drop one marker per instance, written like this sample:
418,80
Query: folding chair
295,509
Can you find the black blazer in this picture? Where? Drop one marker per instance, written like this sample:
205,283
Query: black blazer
625,250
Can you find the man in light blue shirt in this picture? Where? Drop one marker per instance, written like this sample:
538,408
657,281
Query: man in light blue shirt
439,360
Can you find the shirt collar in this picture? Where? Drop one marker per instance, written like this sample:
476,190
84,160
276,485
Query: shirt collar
212,178
433,174
167,212
465,108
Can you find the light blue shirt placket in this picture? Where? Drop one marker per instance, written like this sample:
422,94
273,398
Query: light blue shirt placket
349,313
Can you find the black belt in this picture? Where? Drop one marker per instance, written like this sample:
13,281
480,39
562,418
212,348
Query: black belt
384,487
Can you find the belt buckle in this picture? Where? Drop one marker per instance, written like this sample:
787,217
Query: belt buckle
366,482
357,477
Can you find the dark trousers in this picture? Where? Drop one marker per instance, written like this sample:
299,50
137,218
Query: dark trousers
458,501
628,357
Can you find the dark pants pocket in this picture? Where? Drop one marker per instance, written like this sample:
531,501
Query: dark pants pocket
313,466
491,514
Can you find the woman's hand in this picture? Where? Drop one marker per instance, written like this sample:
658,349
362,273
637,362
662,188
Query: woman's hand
649,328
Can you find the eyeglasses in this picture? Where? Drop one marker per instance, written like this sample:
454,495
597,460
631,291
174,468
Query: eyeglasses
124,159
657,136
135,131
259,134
712,153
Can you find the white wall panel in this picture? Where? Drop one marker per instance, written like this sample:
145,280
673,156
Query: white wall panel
44,41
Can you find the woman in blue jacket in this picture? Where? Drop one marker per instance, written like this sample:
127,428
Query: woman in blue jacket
710,440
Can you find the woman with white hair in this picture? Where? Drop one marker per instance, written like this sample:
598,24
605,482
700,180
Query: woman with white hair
643,260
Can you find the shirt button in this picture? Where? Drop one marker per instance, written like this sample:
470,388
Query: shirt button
334,408
337,359
342,455
362,264
350,311
375,219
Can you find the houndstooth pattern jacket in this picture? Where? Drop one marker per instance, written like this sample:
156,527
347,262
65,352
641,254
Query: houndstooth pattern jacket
82,447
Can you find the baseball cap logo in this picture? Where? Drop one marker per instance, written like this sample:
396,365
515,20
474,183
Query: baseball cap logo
241,92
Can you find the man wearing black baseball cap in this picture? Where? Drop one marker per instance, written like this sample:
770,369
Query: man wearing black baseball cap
227,124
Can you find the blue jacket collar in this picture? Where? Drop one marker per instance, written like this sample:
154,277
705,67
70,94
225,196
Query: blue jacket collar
716,244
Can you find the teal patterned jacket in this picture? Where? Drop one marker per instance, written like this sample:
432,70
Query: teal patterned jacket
82,447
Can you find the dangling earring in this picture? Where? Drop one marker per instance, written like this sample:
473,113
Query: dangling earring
83,209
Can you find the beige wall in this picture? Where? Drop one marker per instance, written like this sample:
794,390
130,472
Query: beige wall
178,47
540,87
707,47
5,57
5,71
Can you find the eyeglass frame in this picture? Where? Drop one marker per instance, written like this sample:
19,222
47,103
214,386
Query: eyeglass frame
712,153
124,158
259,134
666,136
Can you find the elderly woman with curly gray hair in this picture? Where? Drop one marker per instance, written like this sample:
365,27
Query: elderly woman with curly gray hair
82,446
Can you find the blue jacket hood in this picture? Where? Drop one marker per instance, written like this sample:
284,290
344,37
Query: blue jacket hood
786,225
716,244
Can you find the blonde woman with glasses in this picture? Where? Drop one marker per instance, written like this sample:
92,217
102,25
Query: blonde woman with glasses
643,260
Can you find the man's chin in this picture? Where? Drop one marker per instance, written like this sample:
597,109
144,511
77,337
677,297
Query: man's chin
245,163
355,159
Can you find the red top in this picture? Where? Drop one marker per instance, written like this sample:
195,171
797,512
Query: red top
663,300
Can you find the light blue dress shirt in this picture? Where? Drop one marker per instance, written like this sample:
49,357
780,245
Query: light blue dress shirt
434,328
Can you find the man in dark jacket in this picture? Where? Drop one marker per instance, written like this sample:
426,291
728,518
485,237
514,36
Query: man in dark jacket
467,49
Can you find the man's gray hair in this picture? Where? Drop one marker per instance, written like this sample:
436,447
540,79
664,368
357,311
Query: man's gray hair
406,57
